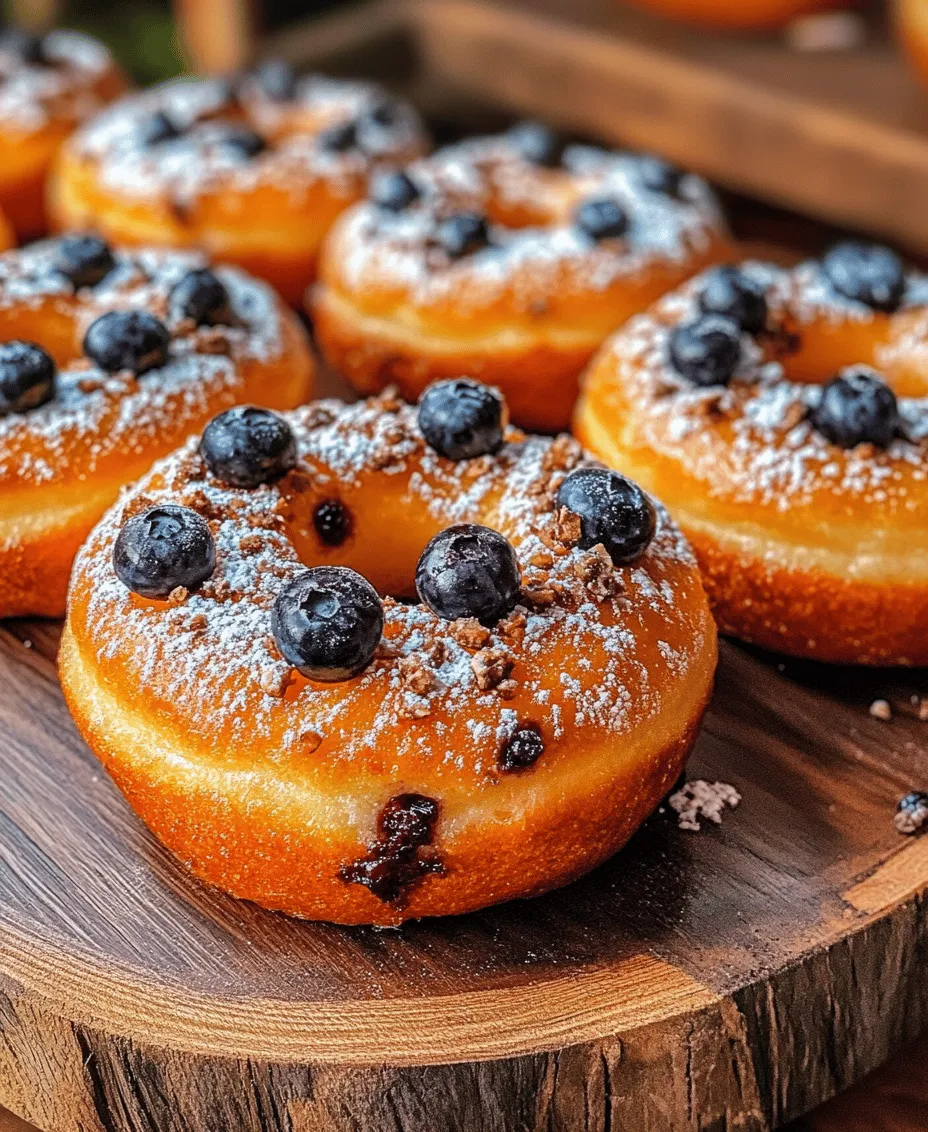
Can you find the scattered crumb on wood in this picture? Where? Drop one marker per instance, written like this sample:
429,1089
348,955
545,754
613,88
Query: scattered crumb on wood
700,799
880,709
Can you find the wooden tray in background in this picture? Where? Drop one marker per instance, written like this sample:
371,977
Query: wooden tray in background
841,136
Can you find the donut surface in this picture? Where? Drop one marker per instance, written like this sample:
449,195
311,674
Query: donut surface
805,498
279,788
49,85
62,463
255,178
525,306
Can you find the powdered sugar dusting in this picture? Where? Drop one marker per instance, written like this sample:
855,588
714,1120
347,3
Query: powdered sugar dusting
591,649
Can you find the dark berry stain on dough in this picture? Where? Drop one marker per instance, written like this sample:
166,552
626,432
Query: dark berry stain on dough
401,856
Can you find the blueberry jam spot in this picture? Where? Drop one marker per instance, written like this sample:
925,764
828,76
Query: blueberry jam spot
327,623
469,571
522,749
332,522
400,857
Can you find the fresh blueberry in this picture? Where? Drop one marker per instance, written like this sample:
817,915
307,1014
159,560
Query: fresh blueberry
707,350
133,340
384,113
27,377
601,218
857,407
332,522
658,175
340,137
462,234
522,749
394,191
157,128
163,548
612,509
729,292
462,419
202,296
277,79
327,622
242,142
536,143
245,446
469,571
868,273
25,45
84,260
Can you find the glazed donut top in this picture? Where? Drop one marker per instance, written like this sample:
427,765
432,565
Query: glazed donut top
95,415
800,394
56,77
562,220
588,647
190,136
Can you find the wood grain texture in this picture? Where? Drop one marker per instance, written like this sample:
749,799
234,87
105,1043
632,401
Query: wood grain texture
696,981
748,112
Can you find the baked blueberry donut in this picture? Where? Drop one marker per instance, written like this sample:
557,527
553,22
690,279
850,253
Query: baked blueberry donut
48,85
254,170
509,257
302,741
783,417
108,360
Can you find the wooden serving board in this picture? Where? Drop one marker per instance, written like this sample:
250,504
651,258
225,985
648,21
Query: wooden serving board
842,136
728,979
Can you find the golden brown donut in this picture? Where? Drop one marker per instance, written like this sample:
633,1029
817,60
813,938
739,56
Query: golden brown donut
406,297
466,764
255,172
911,21
798,472
63,461
745,15
49,85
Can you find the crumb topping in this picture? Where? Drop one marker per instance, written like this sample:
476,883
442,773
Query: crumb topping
597,656
699,801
